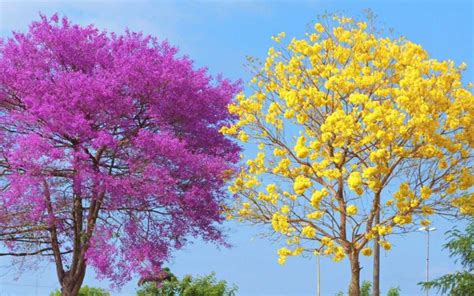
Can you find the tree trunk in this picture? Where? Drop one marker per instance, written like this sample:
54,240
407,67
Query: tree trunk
354,288
71,284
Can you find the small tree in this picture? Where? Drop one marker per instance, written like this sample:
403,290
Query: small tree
163,284
86,291
188,286
461,247
350,126
365,288
110,151
394,291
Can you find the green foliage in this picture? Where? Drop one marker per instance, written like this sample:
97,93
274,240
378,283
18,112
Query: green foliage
206,286
365,288
167,288
201,286
394,291
461,247
85,291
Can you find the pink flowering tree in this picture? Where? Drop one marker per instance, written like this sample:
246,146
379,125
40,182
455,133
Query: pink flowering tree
110,154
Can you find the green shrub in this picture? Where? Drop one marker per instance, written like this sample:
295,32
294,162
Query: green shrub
200,286
86,291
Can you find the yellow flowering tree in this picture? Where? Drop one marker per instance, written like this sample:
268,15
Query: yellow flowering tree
351,126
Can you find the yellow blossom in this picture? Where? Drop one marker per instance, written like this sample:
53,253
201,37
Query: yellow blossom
308,231
425,222
301,184
465,204
301,150
355,182
318,27
327,241
339,254
280,223
282,254
285,209
315,215
367,251
351,210
317,196
357,98
425,192
278,37
385,244
427,210
245,210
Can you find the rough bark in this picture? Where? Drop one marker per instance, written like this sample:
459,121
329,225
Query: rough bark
72,283
71,280
354,287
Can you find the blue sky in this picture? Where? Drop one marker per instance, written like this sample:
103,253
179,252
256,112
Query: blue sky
219,34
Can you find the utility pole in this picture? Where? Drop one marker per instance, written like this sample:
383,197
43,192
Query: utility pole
318,277
427,230
376,267
319,274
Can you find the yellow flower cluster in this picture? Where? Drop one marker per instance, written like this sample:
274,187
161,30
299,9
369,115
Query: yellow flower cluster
367,251
339,254
465,204
245,210
301,150
280,223
351,210
315,215
425,192
355,182
308,231
385,244
317,197
425,222
382,230
301,184
282,254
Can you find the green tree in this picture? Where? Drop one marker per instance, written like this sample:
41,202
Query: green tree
365,288
206,285
86,291
460,246
394,291
168,287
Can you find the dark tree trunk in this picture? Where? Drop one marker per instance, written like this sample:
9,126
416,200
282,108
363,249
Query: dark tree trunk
71,283
354,287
